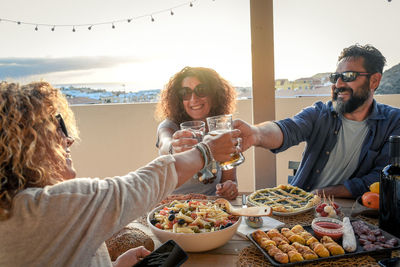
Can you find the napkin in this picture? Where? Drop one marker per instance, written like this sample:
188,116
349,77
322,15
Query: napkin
268,224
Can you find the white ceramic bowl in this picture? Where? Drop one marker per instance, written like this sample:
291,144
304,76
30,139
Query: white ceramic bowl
194,242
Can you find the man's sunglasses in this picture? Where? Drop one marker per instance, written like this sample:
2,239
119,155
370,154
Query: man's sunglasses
200,90
347,76
62,124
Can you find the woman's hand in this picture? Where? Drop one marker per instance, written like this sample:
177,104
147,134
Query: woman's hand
228,190
131,257
183,140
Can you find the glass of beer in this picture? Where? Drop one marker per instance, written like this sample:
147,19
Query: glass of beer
198,128
219,125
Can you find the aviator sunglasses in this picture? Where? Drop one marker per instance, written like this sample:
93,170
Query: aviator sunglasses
62,124
200,90
347,76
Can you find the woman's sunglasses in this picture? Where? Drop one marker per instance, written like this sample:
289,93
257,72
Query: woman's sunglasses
62,124
347,76
200,90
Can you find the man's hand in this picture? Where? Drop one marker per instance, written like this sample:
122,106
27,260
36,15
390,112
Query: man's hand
247,133
131,257
335,190
223,145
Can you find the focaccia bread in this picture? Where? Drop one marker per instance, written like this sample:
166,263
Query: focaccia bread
284,198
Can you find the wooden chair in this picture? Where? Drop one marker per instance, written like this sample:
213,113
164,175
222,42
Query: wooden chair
293,165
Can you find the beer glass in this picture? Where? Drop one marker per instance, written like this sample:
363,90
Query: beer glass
198,128
219,125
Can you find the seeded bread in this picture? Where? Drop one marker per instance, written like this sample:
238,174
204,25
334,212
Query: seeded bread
129,237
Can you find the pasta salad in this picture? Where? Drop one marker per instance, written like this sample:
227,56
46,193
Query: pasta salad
192,216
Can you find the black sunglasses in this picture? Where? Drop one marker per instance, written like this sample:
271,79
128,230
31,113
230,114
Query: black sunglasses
200,90
347,76
62,124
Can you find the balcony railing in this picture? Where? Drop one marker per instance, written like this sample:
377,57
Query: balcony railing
118,138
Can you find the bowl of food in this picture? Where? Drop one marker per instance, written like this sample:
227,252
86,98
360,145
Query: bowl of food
196,225
327,226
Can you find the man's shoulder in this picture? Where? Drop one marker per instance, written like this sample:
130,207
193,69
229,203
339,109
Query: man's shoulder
323,106
389,112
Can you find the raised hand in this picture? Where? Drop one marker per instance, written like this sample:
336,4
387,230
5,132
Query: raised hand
183,140
246,133
222,145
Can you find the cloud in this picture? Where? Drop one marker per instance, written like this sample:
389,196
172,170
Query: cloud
22,67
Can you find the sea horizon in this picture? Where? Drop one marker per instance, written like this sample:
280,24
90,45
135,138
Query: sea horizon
108,86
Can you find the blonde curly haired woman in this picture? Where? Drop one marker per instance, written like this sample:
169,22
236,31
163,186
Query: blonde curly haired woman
47,218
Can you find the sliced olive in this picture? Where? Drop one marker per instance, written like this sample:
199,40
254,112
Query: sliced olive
171,217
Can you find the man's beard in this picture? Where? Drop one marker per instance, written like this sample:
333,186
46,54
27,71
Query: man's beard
355,100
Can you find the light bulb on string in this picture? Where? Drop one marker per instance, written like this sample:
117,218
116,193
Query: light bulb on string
90,27
36,28
172,13
19,22
53,28
129,20
113,26
152,19
191,4
73,29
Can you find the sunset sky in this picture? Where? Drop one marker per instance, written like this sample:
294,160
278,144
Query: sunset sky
309,35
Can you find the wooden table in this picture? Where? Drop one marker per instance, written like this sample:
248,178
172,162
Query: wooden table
227,255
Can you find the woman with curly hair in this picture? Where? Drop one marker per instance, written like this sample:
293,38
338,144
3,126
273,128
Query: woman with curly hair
48,218
195,93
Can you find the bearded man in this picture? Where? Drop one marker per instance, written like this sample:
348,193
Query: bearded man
347,138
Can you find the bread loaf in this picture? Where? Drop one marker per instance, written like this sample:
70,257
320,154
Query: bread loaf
127,238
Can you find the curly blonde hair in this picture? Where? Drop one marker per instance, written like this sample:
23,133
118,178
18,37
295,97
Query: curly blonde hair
30,146
223,95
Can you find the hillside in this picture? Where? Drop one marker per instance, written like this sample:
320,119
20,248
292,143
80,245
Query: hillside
390,83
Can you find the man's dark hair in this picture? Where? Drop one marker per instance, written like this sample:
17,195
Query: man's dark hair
374,61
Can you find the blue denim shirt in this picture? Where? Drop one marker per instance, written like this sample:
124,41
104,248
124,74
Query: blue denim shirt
319,125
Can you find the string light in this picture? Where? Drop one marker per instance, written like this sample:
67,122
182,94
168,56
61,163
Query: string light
90,25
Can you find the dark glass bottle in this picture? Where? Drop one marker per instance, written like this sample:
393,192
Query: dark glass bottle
389,192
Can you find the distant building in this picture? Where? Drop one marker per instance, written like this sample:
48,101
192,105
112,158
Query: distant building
309,83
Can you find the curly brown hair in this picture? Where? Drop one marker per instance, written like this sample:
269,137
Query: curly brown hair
30,145
223,95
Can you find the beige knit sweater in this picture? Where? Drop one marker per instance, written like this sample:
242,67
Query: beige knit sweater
67,224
